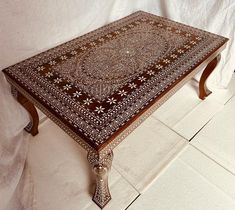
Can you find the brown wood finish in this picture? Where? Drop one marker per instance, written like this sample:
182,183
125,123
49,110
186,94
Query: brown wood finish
43,80
32,126
209,62
203,90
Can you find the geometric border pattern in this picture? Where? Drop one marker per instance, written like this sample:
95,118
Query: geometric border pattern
98,122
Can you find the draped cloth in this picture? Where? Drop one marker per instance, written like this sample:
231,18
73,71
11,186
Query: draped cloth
29,27
16,187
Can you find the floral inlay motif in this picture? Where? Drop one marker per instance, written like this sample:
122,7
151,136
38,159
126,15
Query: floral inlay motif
112,100
57,80
102,70
77,94
98,82
88,101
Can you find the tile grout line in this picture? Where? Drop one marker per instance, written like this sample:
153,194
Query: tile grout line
139,194
215,113
201,129
170,128
229,99
186,114
212,159
126,179
196,97
160,173
183,118
207,180
133,201
163,168
166,165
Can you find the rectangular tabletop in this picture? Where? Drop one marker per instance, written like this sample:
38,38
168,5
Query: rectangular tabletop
99,84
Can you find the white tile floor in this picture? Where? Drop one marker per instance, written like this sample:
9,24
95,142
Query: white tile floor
165,171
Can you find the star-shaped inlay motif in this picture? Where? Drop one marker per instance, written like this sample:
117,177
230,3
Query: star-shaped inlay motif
132,85
67,87
49,74
142,79
88,101
112,100
52,63
57,80
99,109
40,68
150,72
77,94
122,92
159,66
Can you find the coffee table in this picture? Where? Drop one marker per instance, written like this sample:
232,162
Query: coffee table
100,86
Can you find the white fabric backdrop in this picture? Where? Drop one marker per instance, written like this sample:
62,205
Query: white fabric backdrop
28,27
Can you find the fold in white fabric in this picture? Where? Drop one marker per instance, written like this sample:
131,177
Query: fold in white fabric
16,187
29,27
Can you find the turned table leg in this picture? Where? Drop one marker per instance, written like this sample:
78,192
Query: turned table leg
32,127
203,90
101,167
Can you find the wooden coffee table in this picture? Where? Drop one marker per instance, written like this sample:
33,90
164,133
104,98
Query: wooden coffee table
100,86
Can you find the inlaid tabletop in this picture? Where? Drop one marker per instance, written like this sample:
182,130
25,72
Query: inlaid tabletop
100,83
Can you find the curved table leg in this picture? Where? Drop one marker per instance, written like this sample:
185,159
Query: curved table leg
203,90
101,167
32,127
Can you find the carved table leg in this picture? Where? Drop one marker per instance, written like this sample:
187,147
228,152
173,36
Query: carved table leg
101,167
32,127
203,90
